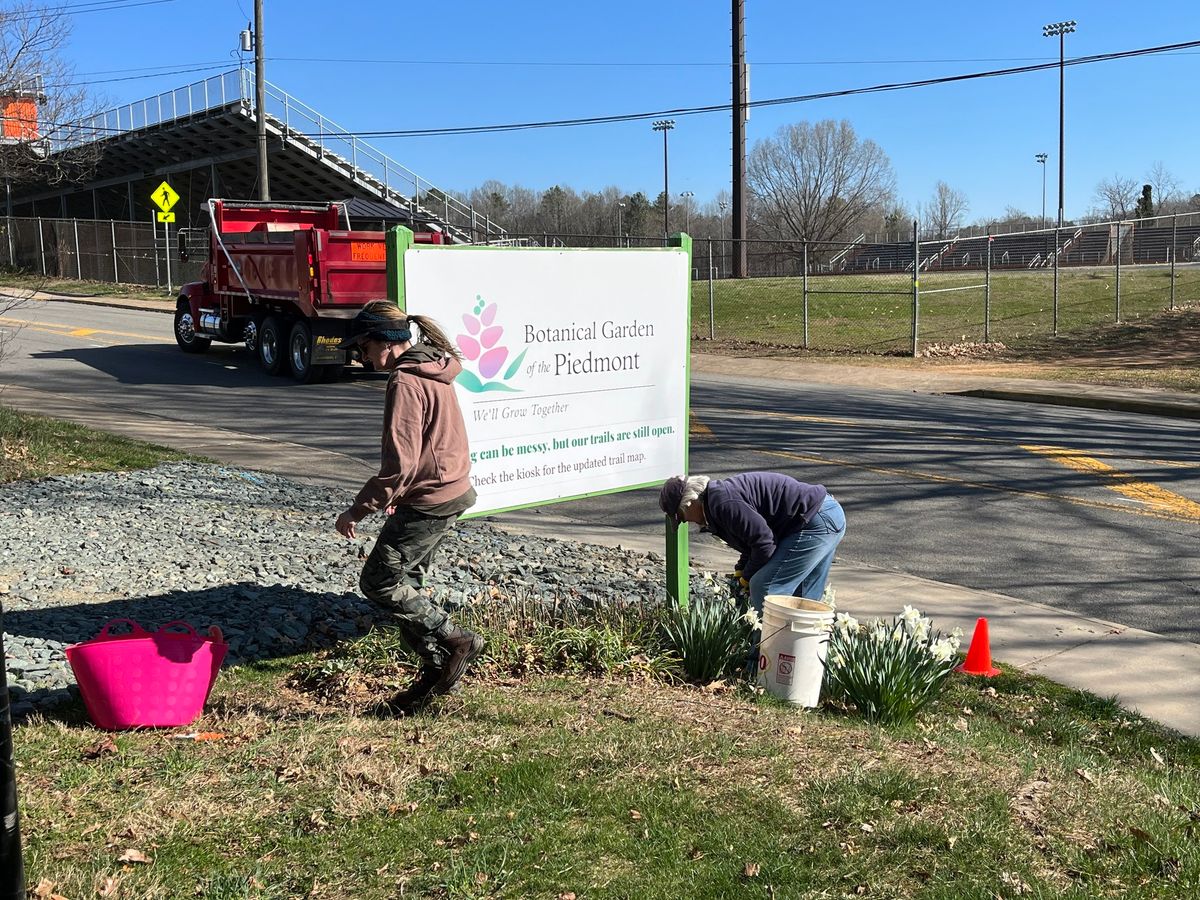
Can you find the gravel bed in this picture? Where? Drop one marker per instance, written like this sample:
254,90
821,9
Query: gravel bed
251,552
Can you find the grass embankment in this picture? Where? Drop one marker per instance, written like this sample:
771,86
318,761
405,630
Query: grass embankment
543,786
26,282
873,313
35,446
567,767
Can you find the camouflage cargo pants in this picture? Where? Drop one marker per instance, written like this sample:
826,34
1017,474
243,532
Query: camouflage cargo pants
394,572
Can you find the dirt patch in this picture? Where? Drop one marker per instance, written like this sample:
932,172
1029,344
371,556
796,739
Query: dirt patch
1171,338
1159,352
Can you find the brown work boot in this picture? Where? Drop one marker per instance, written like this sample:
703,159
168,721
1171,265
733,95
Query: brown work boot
461,647
411,698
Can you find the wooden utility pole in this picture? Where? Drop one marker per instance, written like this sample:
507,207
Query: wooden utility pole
739,139
260,102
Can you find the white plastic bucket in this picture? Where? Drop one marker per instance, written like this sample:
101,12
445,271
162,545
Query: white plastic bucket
791,652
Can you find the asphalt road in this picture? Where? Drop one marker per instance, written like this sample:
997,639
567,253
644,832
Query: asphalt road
1095,512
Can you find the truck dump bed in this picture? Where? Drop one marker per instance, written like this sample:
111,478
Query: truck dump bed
297,254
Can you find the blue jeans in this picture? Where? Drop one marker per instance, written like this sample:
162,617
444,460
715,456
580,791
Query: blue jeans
800,565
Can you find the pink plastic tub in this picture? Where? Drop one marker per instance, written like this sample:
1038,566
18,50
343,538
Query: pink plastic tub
140,679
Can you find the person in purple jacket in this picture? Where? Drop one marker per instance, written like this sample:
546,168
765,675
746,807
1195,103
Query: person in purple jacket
785,530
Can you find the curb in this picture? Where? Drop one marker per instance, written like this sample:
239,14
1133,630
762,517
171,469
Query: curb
1120,404
1084,401
166,306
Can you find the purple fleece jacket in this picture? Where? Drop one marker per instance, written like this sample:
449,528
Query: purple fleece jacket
752,512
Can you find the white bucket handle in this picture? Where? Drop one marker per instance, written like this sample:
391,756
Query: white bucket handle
807,627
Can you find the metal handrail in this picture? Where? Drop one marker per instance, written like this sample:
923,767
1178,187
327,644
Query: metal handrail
237,86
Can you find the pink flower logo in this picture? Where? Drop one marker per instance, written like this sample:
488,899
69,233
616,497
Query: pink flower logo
481,346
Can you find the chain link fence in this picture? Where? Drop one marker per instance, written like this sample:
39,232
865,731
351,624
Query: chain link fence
905,296
140,253
862,296
912,296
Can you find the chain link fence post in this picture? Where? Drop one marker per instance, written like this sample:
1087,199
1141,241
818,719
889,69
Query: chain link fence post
916,289
804,292
78,257
112,223
42,245
1175,252
1117,292
12,872
1054,329
987,290
712,311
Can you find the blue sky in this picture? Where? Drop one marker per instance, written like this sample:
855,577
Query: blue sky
386,65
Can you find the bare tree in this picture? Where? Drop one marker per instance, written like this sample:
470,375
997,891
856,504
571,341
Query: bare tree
1166,187
943,213
42,139
47,136
1117,196
817,181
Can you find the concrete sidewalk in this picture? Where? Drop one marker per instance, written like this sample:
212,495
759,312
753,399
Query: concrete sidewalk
1156,676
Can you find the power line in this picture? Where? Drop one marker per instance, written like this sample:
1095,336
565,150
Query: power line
87,6
724,107
778,101
159,74
642,64
166,70
148,72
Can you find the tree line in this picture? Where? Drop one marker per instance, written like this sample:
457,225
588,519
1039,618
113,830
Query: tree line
814,181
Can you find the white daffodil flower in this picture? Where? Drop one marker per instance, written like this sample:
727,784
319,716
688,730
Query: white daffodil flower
943,650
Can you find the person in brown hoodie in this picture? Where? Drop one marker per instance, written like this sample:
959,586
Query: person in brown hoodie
423,484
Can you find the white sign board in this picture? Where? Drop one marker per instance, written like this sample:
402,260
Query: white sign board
575,365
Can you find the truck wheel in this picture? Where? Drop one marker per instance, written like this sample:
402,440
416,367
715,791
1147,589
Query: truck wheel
185,331
300,355
270,345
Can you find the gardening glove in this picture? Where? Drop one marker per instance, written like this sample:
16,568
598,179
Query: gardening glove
738,585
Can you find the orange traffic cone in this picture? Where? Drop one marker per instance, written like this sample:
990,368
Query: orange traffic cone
979,656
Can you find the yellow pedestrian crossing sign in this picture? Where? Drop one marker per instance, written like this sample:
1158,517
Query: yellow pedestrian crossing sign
164,198
166,217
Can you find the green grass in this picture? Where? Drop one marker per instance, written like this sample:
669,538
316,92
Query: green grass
27,281
34,446
546,786
873,313
536,780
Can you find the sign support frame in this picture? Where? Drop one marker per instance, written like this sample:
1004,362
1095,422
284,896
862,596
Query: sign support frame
400,239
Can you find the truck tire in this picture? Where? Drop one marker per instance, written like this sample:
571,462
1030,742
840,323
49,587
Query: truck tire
271,345
185,330
299,355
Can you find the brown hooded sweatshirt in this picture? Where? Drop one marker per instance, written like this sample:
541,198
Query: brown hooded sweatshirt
425,459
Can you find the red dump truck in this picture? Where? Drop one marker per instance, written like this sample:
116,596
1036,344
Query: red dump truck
285,279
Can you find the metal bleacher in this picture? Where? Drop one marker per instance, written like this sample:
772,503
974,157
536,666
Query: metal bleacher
204,138
1161,244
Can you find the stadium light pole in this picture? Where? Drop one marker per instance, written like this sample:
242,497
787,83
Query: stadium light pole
620,220
665,125
724,206
1041,157
1060,30
687,210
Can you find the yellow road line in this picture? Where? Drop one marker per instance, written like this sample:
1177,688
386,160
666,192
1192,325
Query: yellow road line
1155,513
71,331
925,430
1126,485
